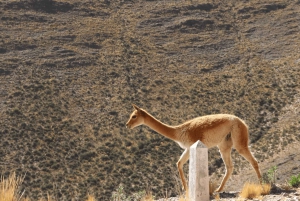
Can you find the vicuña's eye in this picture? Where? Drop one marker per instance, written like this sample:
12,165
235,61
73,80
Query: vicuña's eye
134,116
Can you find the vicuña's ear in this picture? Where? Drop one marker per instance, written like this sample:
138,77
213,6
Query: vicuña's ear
136,107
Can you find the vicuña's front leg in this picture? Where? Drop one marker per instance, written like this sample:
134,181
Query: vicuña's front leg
225,150
182,160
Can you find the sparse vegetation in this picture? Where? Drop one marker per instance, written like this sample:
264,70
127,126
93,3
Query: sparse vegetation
10,188
270,176
71,68
10,191
119,195
251,190
295,181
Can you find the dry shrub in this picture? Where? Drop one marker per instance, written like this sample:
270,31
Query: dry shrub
9,188
286,186
266,188
148,197
251,190
91,198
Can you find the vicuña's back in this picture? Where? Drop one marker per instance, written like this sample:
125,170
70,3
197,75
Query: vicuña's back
222,130
210,129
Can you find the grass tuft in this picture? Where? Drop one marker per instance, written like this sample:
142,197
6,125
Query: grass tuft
251,190
9,188
148,197
91,198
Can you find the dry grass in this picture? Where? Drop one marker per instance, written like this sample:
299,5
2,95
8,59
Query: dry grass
91,198
251,190
9,188
148,197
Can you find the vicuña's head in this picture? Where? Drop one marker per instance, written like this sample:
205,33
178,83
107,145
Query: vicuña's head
136,117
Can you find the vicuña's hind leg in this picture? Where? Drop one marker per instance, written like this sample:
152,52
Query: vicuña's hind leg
240,143
225,150
245,152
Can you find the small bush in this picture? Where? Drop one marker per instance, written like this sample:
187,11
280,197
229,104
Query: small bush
91,198
251,191
270,176
295,181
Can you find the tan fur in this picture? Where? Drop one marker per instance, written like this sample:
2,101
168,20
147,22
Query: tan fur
222,130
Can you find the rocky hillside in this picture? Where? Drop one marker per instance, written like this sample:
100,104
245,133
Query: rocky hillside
69,71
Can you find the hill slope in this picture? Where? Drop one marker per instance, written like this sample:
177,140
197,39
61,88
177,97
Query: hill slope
69,71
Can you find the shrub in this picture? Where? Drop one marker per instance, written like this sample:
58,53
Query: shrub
9,188
270,176
251,191
91,198
295,181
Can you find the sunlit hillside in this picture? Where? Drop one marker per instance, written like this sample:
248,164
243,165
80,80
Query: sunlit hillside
70,70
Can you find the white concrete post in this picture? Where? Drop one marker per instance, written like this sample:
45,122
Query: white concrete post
198,173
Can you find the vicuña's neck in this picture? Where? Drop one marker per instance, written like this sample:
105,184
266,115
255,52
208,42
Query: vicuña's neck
158,126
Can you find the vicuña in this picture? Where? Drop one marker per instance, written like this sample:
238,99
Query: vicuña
223,130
